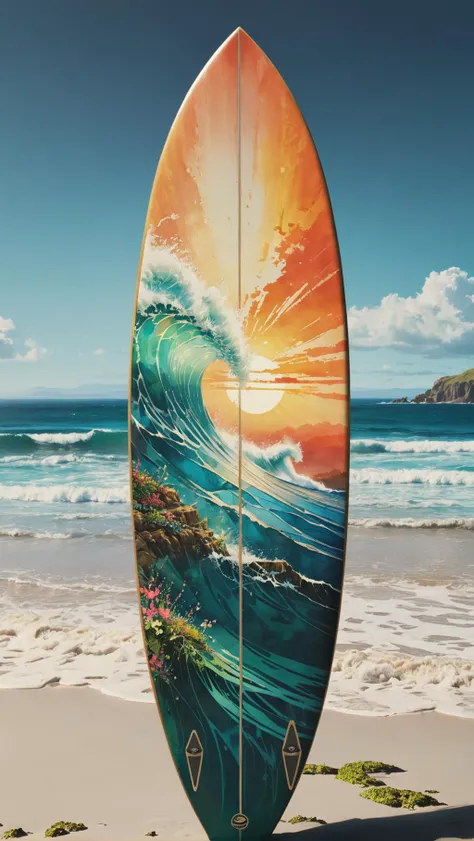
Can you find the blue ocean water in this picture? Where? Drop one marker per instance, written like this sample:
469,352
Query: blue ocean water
412,465
64,468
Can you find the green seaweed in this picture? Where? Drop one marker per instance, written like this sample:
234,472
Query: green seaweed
431,791
64,828
399,798
303,819
319,769
358,773
17,832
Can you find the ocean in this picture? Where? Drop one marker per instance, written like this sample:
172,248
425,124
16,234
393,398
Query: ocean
68,606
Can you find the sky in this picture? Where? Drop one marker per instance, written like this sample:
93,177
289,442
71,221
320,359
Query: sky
88,93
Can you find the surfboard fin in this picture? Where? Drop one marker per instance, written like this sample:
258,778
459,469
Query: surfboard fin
194,756
291,754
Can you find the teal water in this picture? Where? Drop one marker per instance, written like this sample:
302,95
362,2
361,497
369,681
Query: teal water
412,464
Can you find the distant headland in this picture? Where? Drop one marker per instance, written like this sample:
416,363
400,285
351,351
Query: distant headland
457,389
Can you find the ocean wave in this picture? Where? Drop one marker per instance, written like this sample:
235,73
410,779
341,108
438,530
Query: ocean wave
64,437
65,493
89,515
59,535
37,585
96,440
278,459
374,445
55,461
413,523
183,328
39,535
167,281
408,476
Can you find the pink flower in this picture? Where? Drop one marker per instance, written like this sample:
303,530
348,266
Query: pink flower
149,612
153,500
156,663
165,613
150,594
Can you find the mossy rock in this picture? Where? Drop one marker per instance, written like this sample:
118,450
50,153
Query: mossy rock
357,773
303,819
64,828
17,832
319,769
399,798
372,767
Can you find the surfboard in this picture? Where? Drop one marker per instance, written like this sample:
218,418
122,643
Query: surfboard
239,441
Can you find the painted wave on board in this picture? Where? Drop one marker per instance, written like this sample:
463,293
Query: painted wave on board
182,328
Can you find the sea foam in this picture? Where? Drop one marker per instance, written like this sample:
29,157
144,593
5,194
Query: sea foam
65,493
410,476
377,445
170,282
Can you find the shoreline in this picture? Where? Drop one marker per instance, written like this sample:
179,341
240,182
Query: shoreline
73,754
405,640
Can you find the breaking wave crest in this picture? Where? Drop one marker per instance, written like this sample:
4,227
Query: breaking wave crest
414,523
377,446
95,440
65,493
411,476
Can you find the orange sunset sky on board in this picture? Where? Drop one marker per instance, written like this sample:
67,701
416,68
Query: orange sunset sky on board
291,298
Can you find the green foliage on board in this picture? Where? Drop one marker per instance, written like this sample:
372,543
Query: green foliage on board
170,635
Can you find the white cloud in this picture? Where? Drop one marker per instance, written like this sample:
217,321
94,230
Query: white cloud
6,324
439,320
33,353
99,351
9,349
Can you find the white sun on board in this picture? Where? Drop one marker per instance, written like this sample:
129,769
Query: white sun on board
260,395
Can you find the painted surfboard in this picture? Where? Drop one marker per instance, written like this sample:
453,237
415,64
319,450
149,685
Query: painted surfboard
238,441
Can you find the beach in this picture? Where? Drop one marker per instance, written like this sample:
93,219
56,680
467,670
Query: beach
80,737
74,754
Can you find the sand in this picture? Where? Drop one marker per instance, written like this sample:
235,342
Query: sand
75,754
